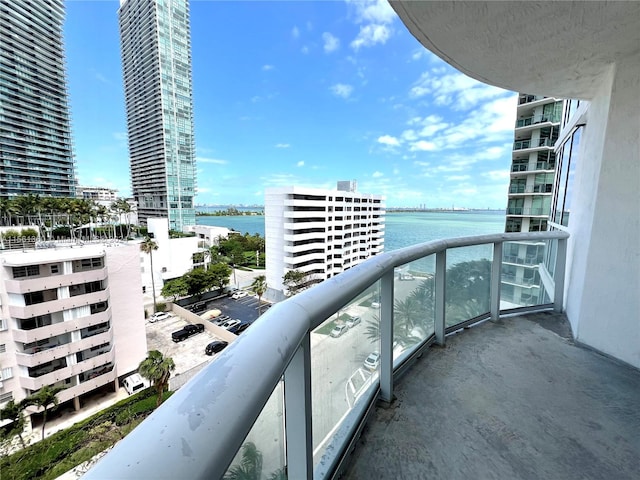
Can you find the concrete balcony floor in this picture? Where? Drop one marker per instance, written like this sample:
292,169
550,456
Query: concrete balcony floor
510,400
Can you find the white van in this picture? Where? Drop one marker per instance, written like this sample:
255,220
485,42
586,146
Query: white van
134,383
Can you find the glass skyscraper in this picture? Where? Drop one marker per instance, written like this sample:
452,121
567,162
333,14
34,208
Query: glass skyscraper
35,135
156,57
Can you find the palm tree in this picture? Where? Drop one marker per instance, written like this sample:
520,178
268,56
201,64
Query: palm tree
148,246
259,286
157,369
44,398
250,466
13,412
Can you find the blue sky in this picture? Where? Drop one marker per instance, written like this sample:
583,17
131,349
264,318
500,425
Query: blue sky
302,93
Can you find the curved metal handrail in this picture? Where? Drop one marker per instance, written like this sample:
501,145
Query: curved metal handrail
198,431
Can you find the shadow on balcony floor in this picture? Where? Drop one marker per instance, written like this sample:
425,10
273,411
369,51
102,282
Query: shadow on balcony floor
512,400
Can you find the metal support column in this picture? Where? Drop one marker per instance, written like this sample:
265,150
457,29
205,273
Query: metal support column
558,275
386,338
441,273
297,413
496,276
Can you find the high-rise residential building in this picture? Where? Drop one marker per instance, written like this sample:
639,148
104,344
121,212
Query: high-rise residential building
71,316
319,232
35,140
156,57
533,172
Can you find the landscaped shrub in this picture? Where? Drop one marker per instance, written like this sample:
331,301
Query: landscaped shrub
62,451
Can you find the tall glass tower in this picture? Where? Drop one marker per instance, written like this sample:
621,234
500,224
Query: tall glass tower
156,56
35,135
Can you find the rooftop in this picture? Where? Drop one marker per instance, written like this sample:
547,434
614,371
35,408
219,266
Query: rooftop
514,399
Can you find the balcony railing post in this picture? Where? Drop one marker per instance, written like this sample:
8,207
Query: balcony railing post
558,275
297,411
496,274
441,273
386,337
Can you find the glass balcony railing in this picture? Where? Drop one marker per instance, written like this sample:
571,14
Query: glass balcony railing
289,396
529,143
525,122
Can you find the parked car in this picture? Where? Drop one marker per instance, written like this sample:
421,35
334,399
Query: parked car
231,291
134,383
406,276
158,316
239,294
187,332
221,319
230,323
338,330
375,304
215,347
210,314
372,361
238,329
352,321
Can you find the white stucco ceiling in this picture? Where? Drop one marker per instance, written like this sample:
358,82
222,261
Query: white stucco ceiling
551,48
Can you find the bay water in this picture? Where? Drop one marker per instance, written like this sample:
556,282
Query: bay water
403,229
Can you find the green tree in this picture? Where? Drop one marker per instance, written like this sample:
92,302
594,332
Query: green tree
295,281
197,281
174,288
259,286
14,413
148,246
219,275
250,466
157,369
44,398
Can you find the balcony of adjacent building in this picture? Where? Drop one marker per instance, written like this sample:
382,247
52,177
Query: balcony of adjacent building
498,402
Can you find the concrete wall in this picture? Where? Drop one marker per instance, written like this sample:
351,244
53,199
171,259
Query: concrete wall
127,311
603,292
274,240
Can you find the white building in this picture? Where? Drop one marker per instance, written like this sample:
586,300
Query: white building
172,259
70,316
207,234
320,232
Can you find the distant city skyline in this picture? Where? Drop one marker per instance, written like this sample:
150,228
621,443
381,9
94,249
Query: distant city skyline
322,91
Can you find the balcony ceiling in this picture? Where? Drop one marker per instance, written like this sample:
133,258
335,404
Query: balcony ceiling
549,48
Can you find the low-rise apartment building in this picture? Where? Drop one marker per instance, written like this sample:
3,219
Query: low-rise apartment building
70,316
320,232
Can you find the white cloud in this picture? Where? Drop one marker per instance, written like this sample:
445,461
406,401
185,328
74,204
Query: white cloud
300,163
295,32
375,18
396,171
342,90
375,11
377,174
120,136
389,140
305,50
282,145
457,178
371,35
215,161
266,68
331,43
256,99
418,54
423,145
497,174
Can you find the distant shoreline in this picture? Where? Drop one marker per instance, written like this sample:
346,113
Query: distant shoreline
233,212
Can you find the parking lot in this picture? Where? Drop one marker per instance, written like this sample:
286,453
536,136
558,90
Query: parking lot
186,354
189,353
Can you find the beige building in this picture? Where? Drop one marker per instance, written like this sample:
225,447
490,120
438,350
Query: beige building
70,316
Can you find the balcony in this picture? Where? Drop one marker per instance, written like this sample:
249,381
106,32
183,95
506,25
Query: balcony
305,406
532,144
528,211
534,120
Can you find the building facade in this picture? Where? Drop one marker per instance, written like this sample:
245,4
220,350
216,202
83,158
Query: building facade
319,232
70,317
35,135
156,57
533,172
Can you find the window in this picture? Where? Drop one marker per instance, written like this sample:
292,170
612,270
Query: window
3,324
6,373
6,397
3,348
26,271
54,269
